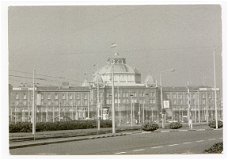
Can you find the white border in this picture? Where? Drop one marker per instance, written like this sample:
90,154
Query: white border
4,152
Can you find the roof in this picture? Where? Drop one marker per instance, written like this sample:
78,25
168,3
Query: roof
120,66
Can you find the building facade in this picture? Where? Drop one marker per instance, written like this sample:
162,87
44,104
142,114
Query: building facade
135,102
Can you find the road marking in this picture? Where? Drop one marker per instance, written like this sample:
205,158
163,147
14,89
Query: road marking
164,131
211,139
183,130
156,147
138,150
200,130
120,153
187,142
200,141
173,145
146,132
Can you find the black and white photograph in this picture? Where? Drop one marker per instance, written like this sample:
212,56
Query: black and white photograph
115,79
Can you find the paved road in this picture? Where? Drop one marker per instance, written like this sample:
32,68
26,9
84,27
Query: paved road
142,143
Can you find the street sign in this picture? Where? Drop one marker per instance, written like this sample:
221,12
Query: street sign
166,104
38,99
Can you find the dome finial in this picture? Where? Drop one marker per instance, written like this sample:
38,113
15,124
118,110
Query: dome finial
116,54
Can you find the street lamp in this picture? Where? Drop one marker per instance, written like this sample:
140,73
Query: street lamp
113,103
131,111
169,70
215,93
146,94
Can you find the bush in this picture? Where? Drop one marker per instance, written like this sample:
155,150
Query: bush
50,126
175,125
213,125
150,126
20,127
216,148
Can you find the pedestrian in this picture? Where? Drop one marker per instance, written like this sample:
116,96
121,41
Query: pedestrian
190,123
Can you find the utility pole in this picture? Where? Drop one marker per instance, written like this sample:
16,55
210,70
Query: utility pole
53,113
189,108
113,103
162,107
98,104
199,116
119,112
215,93
59,108
88,104
144,110
33,108
131,112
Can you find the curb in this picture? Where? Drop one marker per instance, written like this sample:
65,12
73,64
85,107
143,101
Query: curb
182,130
66,140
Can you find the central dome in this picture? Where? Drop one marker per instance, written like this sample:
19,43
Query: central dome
123,73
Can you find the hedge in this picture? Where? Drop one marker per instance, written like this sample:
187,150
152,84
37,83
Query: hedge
150,126
54,126
213,125
175,125
216,148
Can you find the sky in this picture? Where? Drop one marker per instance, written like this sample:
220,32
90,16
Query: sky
67,41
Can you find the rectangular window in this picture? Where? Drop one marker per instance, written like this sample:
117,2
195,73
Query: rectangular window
204,102
154,101
17,96
56,96
203,95
174,96
25,97
180,101
64,96
209,95
179,96
86,96
49,96
86,102
49,103
71,96
152,94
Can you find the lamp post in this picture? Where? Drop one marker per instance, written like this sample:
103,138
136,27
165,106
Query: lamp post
113,103
131,111
146,94
162,106
189,108
98,104
215,93
33,107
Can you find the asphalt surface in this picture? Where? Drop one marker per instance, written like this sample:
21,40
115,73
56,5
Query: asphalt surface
188,142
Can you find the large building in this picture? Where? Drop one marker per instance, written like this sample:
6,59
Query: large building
135,102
